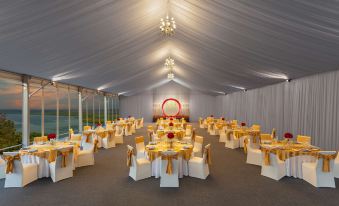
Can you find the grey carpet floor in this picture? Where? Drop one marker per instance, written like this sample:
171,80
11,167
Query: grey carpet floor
231,182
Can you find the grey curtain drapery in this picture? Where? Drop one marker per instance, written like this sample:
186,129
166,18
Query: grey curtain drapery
308,106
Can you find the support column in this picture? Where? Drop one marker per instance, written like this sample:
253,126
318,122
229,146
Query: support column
80,111
25,111
42,111
57,113
105,109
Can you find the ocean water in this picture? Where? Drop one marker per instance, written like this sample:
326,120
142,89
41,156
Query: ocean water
35,121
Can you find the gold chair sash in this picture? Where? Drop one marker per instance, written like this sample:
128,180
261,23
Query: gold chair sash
101,133
169,158
139,140
64,155
245,145
255,135
95,149
130,153
266,152
326,161
208,156
10,162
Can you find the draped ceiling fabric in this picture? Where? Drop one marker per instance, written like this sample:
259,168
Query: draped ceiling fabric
219,46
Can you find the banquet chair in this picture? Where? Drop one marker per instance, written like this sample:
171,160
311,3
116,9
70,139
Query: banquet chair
62,167
119,135
85,156
109,141
199,167
275,169
266,138
317,174
2,168
133,129
213,129
201,123
39,140
253,154
335,169
197,147
234,122
137,124
138,168
142,123
87,128
222,135
188,131
128,129
169,174
76,137
140,146
232,142
304,139
256,127
22,174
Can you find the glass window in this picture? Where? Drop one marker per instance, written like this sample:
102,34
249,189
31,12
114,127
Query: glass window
74,112
50,101
10,112
35,110
63,112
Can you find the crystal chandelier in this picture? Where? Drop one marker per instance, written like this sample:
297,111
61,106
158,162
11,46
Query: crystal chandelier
170,76
169,63
167,26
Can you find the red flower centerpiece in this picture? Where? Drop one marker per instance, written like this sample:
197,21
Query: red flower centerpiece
99,125
243,124
51,136
170,136
171,124
288,136
171,118
211,115
222,119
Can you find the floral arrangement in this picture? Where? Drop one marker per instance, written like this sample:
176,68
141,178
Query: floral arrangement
243,124
170,124
211,115
288,135
222,119
171,118
51,136
129,116
99,125
170,135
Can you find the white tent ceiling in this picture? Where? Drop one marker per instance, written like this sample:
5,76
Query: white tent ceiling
219,46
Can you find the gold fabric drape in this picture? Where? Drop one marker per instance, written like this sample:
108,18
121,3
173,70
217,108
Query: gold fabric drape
208,156
139,140
10,162
95,149
64,155
326,161
169,158
130,153
245,145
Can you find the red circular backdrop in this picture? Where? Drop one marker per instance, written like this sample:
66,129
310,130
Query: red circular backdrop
169,100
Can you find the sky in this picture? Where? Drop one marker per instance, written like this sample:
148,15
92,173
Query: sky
11,96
